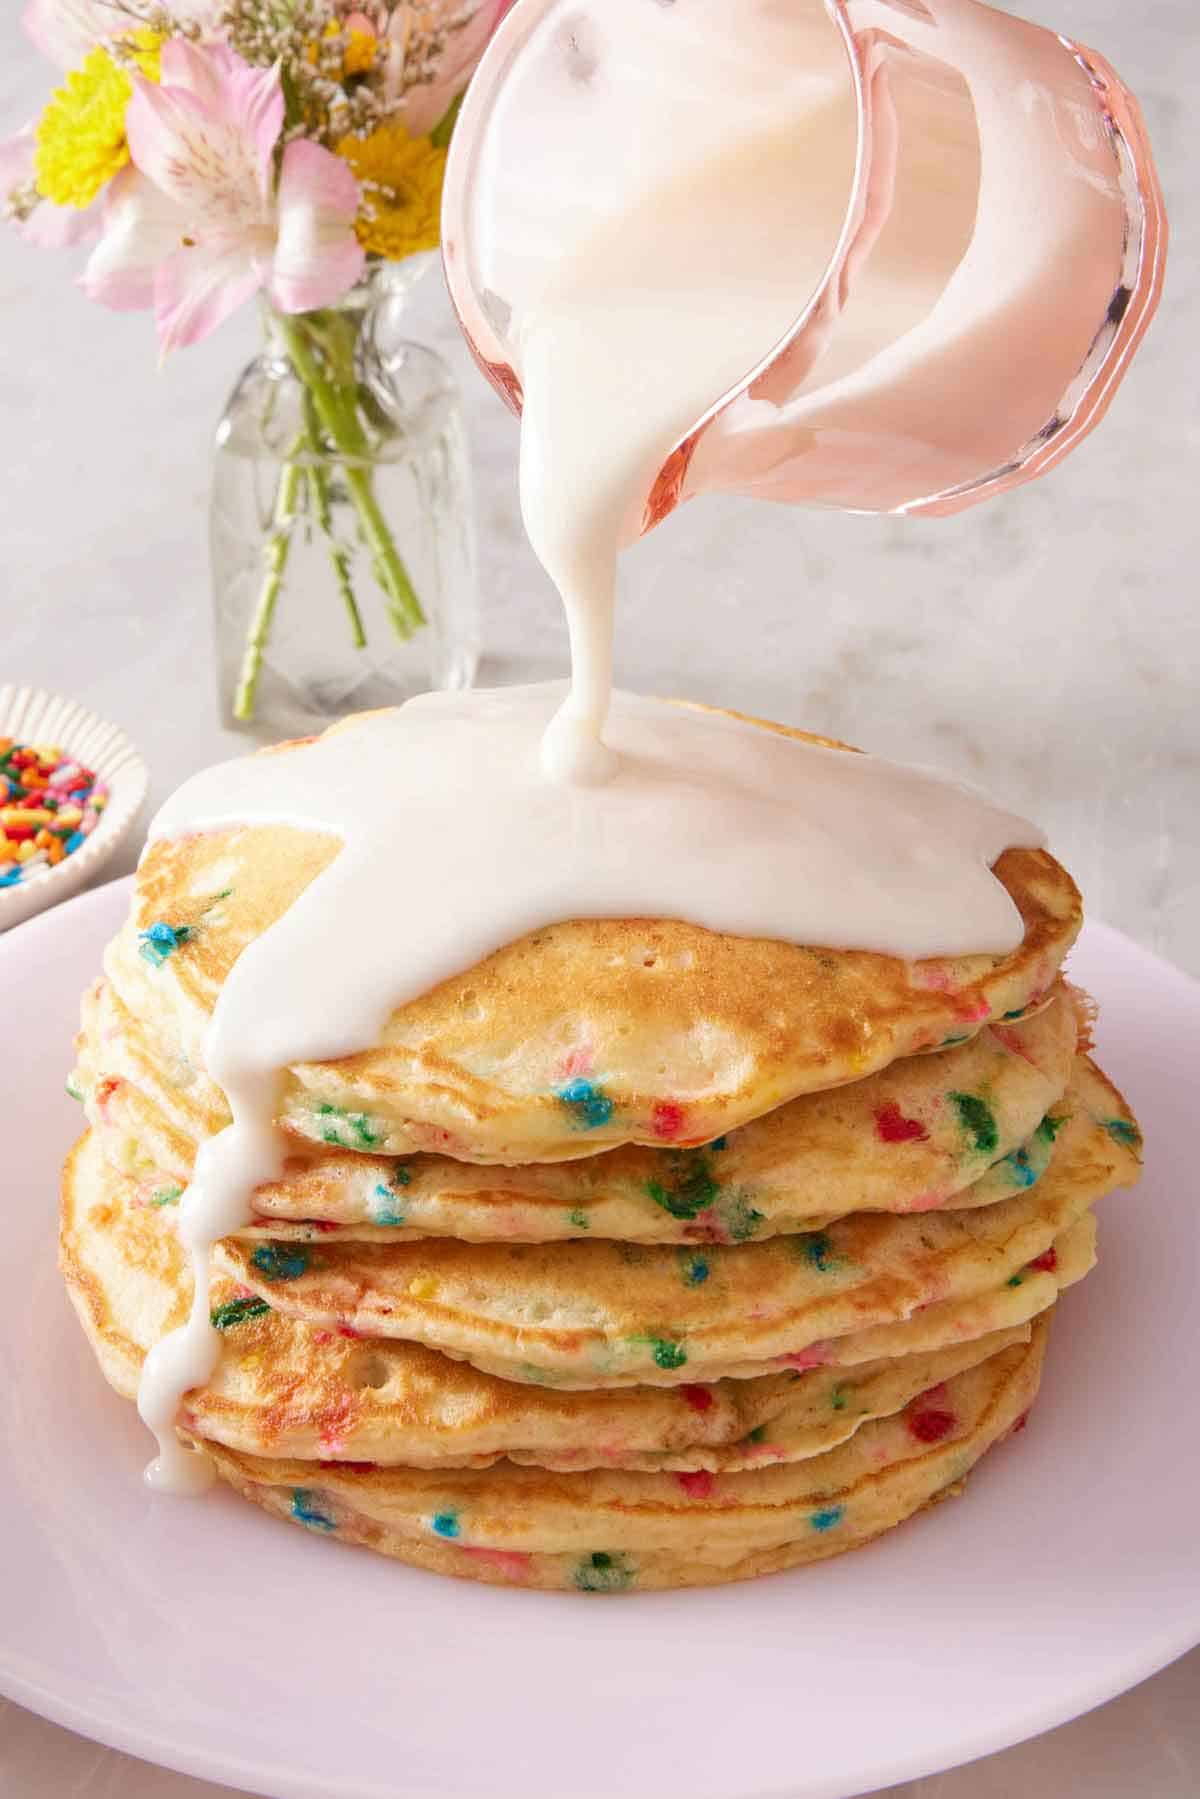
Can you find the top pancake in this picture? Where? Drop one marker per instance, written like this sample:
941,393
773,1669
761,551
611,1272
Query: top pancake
579,1037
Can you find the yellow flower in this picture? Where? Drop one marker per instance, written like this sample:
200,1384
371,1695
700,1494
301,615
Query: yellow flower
401,178
80,138
144,47
359,49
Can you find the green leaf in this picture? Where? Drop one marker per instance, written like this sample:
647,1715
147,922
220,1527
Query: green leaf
443,131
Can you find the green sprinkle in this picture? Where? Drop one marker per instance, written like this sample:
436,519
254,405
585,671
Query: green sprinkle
740,1219
1014,1280
75,1091
237,1311
402,1175
578,1219
167,1196
668,1355
357,1123
1050,1126
975,1117
688,1186
757,1435
603,1573
837,1399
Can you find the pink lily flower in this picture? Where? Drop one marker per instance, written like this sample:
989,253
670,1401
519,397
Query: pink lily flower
197,223
428,102
65,30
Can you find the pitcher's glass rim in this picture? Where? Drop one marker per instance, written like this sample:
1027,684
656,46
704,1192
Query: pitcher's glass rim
1087,397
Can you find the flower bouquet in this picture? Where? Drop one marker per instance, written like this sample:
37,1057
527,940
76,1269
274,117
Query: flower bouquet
210,151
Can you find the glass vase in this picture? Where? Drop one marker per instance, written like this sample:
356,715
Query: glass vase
343,557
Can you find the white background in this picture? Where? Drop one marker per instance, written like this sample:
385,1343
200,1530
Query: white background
1046,645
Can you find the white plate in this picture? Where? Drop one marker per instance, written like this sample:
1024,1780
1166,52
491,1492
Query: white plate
206,1636
32,715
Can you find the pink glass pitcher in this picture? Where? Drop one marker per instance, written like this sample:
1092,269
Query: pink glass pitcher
1000,253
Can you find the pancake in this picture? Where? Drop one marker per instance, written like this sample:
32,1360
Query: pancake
577,1038
598,1313
960,1126
617,1532
281,1389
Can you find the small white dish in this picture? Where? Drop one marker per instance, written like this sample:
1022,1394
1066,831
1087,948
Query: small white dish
31,715
206,1636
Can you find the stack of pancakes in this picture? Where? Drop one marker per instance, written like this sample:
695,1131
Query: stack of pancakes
635,1256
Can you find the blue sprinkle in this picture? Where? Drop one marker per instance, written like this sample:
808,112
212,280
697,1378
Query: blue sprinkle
445,1524
825,1520
1122,1131
160,941
719,1143
11,878
279,1263
1021,1171
819,1252
696,1271
73,842
590,1104
306,1511
383,1208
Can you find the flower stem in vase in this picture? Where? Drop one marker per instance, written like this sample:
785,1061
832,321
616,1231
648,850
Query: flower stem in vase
276,553
339,556
335,400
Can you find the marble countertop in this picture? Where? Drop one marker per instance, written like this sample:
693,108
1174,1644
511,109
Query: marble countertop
1046,645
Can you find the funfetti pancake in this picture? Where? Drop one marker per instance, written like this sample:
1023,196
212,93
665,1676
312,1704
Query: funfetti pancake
963,1126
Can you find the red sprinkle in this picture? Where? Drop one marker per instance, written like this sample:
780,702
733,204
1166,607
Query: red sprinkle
1046,1264
891,1126
348,1330
356,1467
929,1426
697,1486
667,1120
512,1563
699,1398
